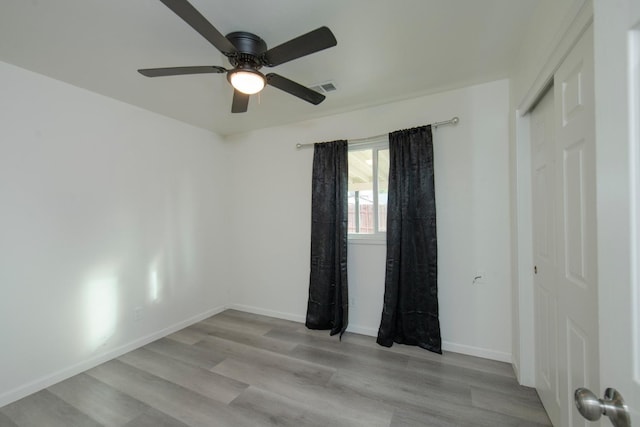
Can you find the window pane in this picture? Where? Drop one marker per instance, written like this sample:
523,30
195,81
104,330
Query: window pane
383,188
360,197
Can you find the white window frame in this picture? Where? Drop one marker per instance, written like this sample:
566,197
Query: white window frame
379,237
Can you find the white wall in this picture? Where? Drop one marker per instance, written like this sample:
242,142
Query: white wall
104,208
271,201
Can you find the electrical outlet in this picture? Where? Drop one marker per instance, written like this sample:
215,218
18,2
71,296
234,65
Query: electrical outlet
137,314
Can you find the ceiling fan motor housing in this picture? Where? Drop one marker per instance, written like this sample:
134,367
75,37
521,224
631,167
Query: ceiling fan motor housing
249,49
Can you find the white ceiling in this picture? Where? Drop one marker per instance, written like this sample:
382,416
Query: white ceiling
387,50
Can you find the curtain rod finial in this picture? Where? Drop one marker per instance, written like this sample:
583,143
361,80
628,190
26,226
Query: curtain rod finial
455,120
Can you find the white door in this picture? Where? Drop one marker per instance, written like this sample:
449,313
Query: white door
597,286
545,293
575,183
617,50
565,247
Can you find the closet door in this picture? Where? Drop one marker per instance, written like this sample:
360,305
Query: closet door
545,293
565,248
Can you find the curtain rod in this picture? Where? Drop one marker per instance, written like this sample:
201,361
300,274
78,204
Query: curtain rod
453,121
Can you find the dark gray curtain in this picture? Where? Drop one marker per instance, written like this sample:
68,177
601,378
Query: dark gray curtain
328,306
410,311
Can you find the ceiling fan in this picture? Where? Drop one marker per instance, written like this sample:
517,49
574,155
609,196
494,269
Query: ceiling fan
247,53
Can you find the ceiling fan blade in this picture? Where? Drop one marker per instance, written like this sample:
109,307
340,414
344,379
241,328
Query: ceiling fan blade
294,88
240,102
314,41
191,16
176,71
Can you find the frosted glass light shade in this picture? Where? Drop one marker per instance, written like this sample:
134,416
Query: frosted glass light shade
248,82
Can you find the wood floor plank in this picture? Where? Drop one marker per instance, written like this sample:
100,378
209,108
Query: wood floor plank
476,363
375,354
385,375
5,421
449,417
257,319
524,406
463,375
399,393
426,403
46,409
265,375
447,358
409,418
202,381
263,342
238,325
103,403
327,398
187,336
276,410
284,370
267,360
182,404
154,418
192,355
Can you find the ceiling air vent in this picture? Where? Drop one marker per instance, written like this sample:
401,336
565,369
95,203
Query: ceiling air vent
325,87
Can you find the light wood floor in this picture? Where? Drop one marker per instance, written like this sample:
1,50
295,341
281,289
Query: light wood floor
239,369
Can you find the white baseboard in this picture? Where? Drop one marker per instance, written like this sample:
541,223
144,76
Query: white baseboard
269,313
446,346
469,350
296,318
516,370
61,375
373,332
363,330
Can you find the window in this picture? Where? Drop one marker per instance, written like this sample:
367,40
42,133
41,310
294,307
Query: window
368,189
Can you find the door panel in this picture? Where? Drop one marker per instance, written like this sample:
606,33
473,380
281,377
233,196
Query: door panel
599,334
578,365
575,214
576,224
544,252
564,205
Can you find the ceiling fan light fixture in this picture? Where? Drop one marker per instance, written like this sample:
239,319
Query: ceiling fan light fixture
247,81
